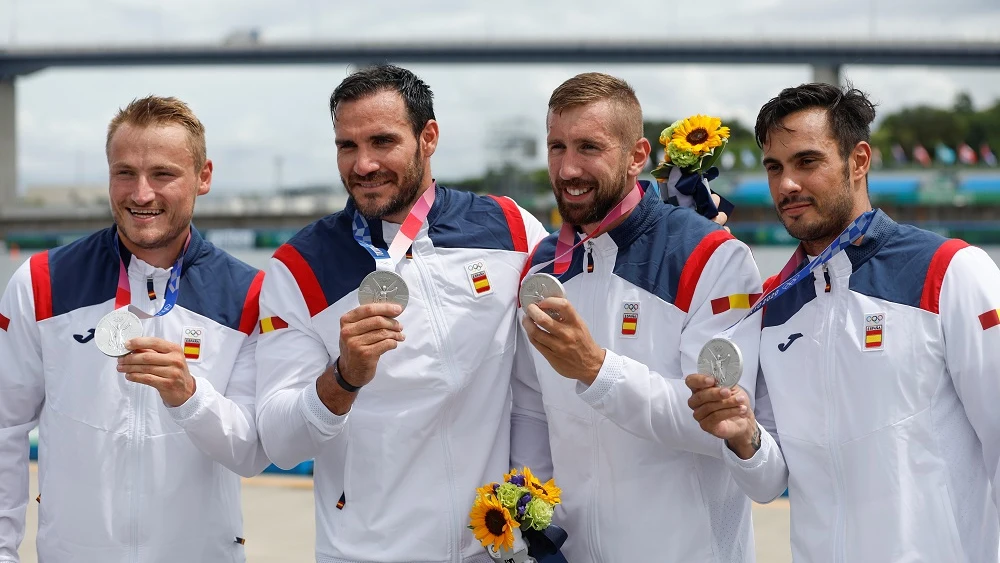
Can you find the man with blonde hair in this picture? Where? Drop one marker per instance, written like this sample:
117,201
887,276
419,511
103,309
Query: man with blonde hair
641,281
132,349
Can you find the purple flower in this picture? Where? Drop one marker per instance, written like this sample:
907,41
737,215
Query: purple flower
522,505
517,480
496,486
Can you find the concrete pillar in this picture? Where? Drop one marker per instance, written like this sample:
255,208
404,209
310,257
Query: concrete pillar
826,73
8,143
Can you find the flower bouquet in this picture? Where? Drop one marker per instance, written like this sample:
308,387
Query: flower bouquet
513,519
692,146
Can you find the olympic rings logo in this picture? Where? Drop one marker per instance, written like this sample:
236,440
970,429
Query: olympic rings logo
633,307
195,332
874,318
475,266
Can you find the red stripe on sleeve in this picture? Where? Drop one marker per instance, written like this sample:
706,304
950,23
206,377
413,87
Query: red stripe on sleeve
4,323
990,319
251,307
278,323
720,305
515,222
304,277
41,285
935,274
695,265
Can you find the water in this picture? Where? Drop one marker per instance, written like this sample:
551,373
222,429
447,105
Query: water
769,259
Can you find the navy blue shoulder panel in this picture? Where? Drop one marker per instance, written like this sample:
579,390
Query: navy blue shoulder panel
655,243
465,220
546,251
896,271
84,272
214,284
786,305
335,258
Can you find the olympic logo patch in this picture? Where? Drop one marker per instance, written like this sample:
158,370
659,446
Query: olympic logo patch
192,341
630,318
874,332
478,278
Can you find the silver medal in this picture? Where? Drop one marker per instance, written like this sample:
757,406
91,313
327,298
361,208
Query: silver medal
383,287
114,330
721,358
539,286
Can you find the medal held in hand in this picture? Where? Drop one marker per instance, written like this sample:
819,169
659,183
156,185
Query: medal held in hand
721,359
537,287
114,330
383,286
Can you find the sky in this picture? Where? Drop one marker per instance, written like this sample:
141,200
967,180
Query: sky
269,125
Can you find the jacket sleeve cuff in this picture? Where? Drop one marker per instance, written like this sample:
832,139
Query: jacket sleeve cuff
195,403
612,371
755,462
318,415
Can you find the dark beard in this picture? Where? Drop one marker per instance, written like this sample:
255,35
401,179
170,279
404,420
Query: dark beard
409,188
605,199
838,214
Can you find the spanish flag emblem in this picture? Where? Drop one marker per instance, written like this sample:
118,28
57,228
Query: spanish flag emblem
990,319
270,324
737,301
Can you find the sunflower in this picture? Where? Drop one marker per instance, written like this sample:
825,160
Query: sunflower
491,523
699,134
486,490
548,491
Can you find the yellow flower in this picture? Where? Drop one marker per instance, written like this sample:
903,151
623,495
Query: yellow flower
699,134
548,491
491,523
486,490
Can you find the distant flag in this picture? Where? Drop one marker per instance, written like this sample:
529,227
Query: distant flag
921,155
989,159
728,160
898,154
876,158
966,154
944,154
748,158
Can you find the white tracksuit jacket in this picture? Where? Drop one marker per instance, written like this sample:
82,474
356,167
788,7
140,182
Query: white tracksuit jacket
123,478
641,481
396,476
884,392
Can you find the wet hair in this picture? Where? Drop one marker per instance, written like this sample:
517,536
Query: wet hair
371,80
849,113
154,111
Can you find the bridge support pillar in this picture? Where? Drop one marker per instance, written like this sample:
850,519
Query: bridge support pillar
826,73
8,143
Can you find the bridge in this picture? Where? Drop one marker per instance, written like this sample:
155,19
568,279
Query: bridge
825,57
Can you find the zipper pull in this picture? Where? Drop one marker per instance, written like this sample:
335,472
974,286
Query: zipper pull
589,257
826,276
149,288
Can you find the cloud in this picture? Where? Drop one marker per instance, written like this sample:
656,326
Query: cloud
265,122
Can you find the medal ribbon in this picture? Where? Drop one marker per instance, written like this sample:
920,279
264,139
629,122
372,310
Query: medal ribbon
852,233
387,259
567,233
123,296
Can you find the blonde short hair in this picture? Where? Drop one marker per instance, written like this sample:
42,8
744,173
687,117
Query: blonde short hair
593,87
154,111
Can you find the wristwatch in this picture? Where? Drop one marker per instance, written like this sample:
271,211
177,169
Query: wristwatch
341,381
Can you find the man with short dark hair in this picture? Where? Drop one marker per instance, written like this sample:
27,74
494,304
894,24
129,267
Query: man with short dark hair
133,351
645,286
879,360
389,338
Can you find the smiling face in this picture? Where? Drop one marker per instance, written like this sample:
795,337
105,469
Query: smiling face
153,185
589,167
382,164
816,192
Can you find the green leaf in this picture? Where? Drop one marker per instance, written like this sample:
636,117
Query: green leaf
711,159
